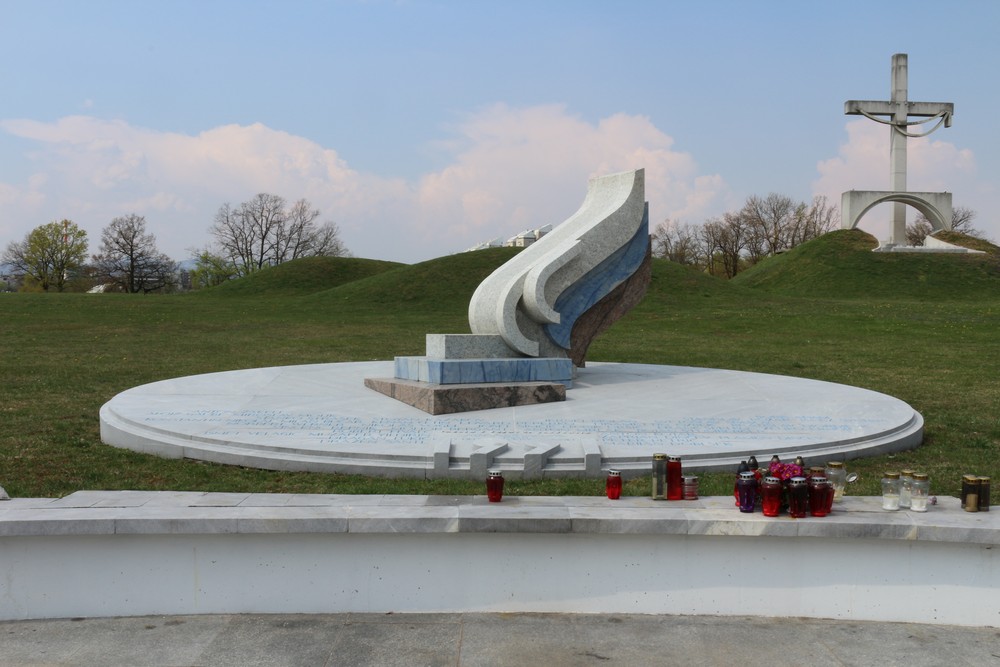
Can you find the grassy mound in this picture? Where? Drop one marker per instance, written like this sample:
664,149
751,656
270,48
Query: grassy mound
444,284
966,241
841,265
303,276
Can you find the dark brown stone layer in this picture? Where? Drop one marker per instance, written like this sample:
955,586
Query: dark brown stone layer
442,399
599,317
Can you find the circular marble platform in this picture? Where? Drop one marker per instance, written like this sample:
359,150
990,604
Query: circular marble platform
322,418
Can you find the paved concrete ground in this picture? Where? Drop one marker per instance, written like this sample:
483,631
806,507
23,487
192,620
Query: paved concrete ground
468,640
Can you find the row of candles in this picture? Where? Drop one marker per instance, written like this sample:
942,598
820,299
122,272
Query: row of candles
668,482
813,493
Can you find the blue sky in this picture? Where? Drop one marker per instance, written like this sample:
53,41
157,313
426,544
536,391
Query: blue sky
423,127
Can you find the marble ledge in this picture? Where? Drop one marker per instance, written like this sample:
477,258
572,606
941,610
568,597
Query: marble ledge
183,513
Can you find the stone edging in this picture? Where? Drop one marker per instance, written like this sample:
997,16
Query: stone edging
193,513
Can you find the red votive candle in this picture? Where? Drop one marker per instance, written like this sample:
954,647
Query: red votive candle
798,497
820,496
771,490
494,486
675,481
614,485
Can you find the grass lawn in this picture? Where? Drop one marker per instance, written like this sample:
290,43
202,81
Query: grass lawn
921,328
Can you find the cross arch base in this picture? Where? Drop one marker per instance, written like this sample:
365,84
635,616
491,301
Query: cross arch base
936,206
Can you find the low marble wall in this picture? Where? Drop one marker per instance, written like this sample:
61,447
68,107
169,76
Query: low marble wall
136,553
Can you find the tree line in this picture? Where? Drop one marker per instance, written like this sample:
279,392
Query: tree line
762,227
766,226
961,221
256,234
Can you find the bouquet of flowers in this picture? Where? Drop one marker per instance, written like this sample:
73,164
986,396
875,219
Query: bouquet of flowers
784,471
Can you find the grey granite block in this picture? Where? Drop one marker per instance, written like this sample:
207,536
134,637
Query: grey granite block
626,520
468,346
475,371
482,458
220,500
47,523
167,521
300,520
401,519
443,399
513,518
536,459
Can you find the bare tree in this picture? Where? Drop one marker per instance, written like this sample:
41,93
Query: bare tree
762,227
917,232
961,221
678,243
261,232
811,221
726,238
768,222
129,258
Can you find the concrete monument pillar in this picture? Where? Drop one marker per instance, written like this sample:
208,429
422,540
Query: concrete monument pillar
897,113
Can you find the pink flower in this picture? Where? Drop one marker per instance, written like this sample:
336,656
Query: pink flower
785,471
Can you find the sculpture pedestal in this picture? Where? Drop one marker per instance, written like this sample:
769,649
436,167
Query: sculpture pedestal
443,399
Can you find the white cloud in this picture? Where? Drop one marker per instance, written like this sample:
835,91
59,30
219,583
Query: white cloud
933,165
524,168
510,169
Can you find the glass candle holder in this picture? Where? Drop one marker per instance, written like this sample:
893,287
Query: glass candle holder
771,490
675,483
746,489
690,487
613,485
798,497
743,467
920,490
837,474
890,491
494,486
659,477
905,487
820,496
970,493
984,494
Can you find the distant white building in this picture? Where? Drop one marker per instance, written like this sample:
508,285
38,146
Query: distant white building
493,243
521,240
526,238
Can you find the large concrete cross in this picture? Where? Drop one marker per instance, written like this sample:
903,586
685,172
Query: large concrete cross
899,110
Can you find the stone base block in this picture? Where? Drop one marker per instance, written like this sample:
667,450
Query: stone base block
468,346
475,371
437,399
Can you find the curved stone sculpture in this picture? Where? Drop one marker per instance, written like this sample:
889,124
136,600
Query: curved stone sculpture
935,206
533,301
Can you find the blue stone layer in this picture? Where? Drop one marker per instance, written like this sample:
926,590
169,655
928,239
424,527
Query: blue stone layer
598,283
480,371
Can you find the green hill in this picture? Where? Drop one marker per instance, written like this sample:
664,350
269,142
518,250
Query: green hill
303,276
443,284
841,264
